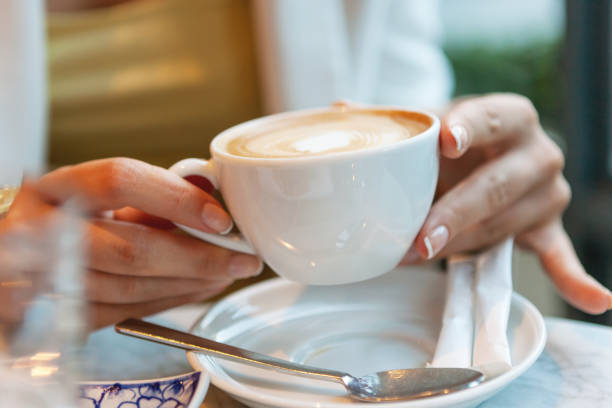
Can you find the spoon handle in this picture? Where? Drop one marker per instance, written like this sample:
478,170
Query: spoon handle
164,335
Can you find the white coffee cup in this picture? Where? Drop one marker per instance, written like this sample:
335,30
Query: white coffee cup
325,219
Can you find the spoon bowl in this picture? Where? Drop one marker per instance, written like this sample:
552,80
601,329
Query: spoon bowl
413,383
391,385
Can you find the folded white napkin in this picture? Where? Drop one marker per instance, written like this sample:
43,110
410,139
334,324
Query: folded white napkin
473,333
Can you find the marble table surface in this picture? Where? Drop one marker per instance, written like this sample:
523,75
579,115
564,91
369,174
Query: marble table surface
575,369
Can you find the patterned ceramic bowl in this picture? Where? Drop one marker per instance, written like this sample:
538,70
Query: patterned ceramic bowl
182,391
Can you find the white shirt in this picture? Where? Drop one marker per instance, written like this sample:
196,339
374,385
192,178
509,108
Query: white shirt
371,51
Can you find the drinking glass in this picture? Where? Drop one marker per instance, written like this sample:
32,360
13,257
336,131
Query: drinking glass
41,321
43,275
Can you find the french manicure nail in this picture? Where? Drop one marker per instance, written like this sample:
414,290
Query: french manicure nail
460,135
215,218
244,266
436,240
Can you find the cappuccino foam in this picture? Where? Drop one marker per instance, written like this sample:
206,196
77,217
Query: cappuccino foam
326,132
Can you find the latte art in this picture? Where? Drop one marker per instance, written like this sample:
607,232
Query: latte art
325,133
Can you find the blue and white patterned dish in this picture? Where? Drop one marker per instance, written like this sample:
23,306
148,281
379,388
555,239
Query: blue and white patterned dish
182,391
166,380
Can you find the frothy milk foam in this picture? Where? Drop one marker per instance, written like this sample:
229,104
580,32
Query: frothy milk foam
326,132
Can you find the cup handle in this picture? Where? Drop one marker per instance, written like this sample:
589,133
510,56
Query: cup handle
207,169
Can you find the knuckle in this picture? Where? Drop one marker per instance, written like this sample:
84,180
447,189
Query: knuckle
548,156
497,192
114,176
563,192
491,116
527,108
555,157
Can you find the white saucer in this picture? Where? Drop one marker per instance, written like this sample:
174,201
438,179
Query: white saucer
385,323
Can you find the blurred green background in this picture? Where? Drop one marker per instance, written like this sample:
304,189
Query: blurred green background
534,70
508,46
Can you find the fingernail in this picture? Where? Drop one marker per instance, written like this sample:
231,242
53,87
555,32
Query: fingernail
460,135
215,218
411,256
244,266
610,305
436,240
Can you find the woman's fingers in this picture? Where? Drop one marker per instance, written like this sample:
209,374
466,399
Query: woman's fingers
111,184
137,250
489,190
518,186
559,259
136,216
103,314
28,209
494,119
540,206
29,247
519,154
110,288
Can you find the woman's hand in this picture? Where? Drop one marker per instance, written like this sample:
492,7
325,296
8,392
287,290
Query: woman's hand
501,175
135,266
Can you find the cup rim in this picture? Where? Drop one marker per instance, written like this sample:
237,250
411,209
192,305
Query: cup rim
217,154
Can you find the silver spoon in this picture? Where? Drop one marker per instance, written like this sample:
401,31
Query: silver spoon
392,385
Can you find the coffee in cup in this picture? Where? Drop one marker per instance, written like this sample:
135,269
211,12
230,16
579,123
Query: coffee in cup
324,196
325,133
